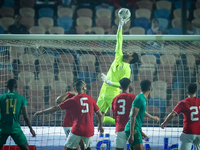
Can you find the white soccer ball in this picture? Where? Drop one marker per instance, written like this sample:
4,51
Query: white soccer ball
124,13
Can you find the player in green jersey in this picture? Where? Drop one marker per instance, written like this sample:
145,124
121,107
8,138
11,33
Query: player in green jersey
11,105
133,127
119,69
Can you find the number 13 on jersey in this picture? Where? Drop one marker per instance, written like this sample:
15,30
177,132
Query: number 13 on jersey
84,104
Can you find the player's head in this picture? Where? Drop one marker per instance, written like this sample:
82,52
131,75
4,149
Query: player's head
80,86
192,89
145,86
131,58
124,83
11,84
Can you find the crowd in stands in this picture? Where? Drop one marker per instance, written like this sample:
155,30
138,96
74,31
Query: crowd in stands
96,16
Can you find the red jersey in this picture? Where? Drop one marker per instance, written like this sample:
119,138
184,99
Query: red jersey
82,107
190,108
121,106
68,120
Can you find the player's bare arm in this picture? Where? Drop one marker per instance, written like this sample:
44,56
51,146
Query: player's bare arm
48,110
100,121
144,136
152,117
168,118
134,113
63,97
26,119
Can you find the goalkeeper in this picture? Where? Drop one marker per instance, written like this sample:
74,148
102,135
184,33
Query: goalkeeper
120,68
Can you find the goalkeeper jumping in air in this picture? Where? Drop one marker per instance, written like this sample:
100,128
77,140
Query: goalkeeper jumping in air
119,69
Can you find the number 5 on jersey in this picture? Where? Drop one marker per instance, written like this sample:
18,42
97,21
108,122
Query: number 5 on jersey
86,110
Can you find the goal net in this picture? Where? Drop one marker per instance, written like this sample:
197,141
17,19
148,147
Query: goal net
45,67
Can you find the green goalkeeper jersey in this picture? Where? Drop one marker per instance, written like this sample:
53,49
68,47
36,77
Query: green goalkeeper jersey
11,104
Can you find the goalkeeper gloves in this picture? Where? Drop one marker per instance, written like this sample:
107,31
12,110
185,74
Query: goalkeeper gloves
122,22
104,79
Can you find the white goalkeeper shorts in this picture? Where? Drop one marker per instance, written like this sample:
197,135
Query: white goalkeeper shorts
73,141
187,140
120,139
67,130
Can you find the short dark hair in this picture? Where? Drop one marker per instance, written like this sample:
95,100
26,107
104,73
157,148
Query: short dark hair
145,85
11,84
76,81
124,83
135,58
78,85
192,88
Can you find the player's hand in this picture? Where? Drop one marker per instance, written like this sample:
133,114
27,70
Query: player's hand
122,22
163,125
156,118
32,132
100,129
37,113
131,139
144,136
105,79
72,92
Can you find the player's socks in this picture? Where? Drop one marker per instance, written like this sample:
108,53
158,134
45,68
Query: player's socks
108,120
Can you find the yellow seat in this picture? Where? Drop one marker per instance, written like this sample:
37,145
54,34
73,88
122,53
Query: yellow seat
46,23
146,13
65,12
137,30
27,12
37,30
164,5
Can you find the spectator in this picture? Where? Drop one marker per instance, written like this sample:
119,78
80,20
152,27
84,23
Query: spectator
191,30
154,27
17,28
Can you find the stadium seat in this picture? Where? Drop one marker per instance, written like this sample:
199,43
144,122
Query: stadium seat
46,77
86,22
137,31
159,102
59,85
27,12
87,63
46,12
28,22
66,76
166,76
5,22
173,102
163,24
97,30
15,52
103,22
197,4
164,5
196,22
46,23
178,4
143,13
146,71
159,85
80,30
148,59
145,4
174,31
54,93
126,27
8,3
87,77
46,62
65,12
190,60
142,22
65,22
7,12
177,13
27,62
176,95
197,13
25,77
162,13
103,12
1,30
27,3
95,87
85,12
168,59
135,88
37,30
106,59
66,62
56,30
5,75
176,23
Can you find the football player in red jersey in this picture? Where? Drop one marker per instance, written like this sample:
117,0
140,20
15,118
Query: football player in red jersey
82,107
190,108
121,106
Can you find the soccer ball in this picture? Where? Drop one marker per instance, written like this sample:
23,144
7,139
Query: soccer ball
124,13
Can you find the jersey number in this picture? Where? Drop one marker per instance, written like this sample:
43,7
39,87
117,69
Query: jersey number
9,104
122,106
84,104
194,113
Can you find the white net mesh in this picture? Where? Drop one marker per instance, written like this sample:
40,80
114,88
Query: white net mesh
46,69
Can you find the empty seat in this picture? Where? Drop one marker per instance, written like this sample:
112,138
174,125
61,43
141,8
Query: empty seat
56,30
178,4
27,12
46,76
176,23
145,13
126,27
106,59
46,23
162,13
46,62
80,30
1,30
46,12
159,85
196,22
27,3
59,86
97,30
66,76
27,62
197,13
197,4
5,22
174,31
163,24
103,22
164,5
15,52
7,12
36,85
158,94
142,22
95,89
177,13
145,4
66,62
190,60
85,12
37,30
148,59
137,31
87,63
135,88
103,12
65,12
168,59
65,22
85,22
28,22
25,77
5,75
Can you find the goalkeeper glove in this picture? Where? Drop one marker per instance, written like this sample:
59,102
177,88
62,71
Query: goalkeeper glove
122,22
104,79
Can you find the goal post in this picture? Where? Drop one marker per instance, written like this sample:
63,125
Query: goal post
45,67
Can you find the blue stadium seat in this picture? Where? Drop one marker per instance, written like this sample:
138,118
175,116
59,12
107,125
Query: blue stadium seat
162,13
87,77
1,30
142,22
178,4
174,31
46,12
9,3
65,22
163,24
159,102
